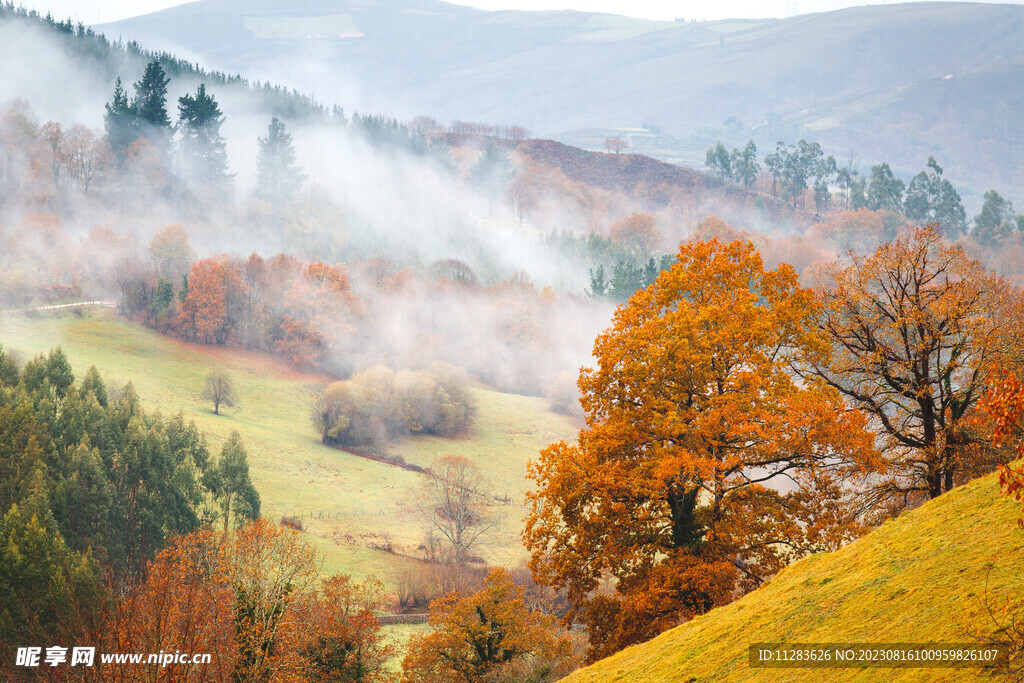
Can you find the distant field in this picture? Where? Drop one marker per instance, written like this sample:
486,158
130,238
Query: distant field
346,501
277,27
919,578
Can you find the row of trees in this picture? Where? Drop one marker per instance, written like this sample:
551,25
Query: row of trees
309,312
928,198
201,149
736,420
302,310
254,599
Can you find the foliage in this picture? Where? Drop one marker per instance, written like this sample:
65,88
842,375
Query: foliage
488,637
48,592
693,418
1003,403
211,307
860,230
171,252
885,191
184,604
150,105
91,487
229,483
740,165
636,232
914,328
247,598
269,568
996,221
798,167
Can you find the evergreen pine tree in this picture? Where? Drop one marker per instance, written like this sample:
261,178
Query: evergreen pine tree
120,122
151,105
492,173
277,176
8,369
203,152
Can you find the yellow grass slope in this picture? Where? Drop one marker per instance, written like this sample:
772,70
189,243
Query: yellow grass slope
919,578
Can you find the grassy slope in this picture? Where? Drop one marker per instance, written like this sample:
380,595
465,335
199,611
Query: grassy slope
357,500
918,578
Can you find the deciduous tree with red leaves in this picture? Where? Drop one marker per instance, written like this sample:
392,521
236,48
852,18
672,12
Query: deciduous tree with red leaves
209,311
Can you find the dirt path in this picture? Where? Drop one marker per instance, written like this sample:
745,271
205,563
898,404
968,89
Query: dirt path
57,307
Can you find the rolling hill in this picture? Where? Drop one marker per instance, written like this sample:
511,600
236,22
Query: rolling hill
919,578
893,83
348,503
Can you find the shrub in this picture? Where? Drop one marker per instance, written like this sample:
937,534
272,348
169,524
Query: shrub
378,404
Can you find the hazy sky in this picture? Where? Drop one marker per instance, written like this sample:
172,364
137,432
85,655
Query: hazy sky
98,11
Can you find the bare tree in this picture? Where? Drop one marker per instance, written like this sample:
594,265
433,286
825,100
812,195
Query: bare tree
219,389
455,501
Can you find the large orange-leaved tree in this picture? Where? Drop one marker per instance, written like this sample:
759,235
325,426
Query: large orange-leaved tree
704,466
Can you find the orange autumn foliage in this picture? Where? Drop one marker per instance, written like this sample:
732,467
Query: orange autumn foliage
185,604
344,642
317,309
490,635
705,466
270,568
1003,403
637,232
246,598
206,314
714,227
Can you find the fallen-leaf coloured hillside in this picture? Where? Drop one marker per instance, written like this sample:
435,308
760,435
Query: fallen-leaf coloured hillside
923,577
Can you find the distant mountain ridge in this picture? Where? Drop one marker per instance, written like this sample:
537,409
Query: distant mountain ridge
894,83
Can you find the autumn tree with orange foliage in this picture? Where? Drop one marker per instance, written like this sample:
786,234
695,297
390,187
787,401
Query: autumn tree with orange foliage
914,328
489,636
209,310
184,604
346,643
246,598
637,232
704,466
1003,407
1003,403
318,306
269,567
860,230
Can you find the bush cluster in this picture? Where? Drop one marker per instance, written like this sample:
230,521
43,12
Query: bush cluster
378,404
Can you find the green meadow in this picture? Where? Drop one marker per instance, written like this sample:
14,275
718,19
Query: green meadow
348,503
